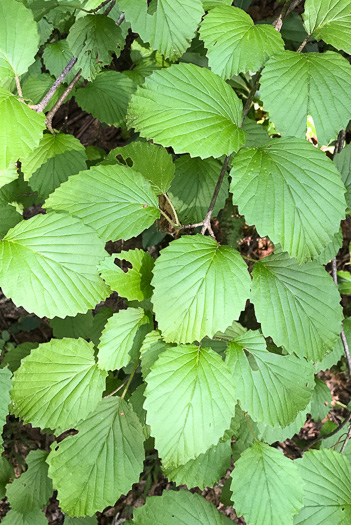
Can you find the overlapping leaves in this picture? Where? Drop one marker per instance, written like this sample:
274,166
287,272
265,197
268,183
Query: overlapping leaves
200,288
190,109
292,192
235,45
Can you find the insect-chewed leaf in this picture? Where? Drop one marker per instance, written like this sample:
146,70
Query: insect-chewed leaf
133,284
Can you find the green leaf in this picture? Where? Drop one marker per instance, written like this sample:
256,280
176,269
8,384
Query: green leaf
37,85
169,27
93,39
343,163
266,486
13,357
93,468
137,400
193,186
292,192
134,284
270,434
79,326
8,175
330,21
58,384
122,337
334,356
6,472
24,133
153,345
107,97
190,109
56,57
33,489
48,265
211,4
272,388
327,488
80,521
116,201
331,250
99,322
321,400
235,45
152,161
178,508
256,134
57,171
36,517
298,306
50,146
203,471
5,386
245,435
337,440
200,288
190,400
19,39
243,4
344,282
9,217
295,85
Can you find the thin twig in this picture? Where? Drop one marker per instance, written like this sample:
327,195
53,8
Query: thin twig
101,6
173,208
169,219
326,436
206,224
60,101
117,389
338,147
110,7
42,105
347,439
190,226
207,220
85,126
130,378
303,44
120,19
19,89
287,8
